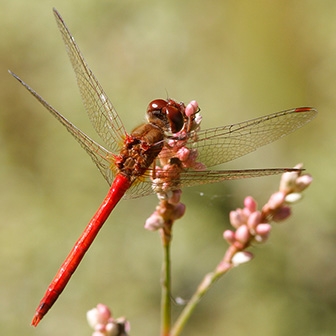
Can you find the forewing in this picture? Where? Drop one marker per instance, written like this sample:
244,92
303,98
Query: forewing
100,156
102,114
222,144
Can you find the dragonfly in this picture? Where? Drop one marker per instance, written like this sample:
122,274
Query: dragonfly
130,163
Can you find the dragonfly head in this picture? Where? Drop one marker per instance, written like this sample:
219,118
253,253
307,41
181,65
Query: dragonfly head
167,114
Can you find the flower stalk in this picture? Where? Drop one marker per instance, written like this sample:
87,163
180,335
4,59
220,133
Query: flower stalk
252,226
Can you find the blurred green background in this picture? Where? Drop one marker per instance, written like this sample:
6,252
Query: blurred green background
239,59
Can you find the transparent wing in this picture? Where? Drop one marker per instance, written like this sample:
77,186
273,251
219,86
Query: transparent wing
141,187
222,144
100,156
102,114
191,178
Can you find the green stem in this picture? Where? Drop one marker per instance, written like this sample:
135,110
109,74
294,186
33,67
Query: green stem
166,291
223,267
202,289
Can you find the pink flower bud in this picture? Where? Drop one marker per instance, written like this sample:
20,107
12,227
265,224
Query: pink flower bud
288,180
263,230
243,234
179,211
154,222
250,203
302,182
282,213
183,154
229,236
191,108
175,197
253,220
276,200
236,218
99,319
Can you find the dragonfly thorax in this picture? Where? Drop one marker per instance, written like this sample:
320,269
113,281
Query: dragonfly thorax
140,149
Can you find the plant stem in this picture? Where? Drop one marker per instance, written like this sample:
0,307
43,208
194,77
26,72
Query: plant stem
202,289
223,267
166,289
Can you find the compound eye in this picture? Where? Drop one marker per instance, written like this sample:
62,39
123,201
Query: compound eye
175,118
156,105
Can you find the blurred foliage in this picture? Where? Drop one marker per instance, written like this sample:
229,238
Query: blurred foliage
239,59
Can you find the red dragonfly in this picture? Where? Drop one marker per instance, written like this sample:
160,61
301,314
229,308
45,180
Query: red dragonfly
131,164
